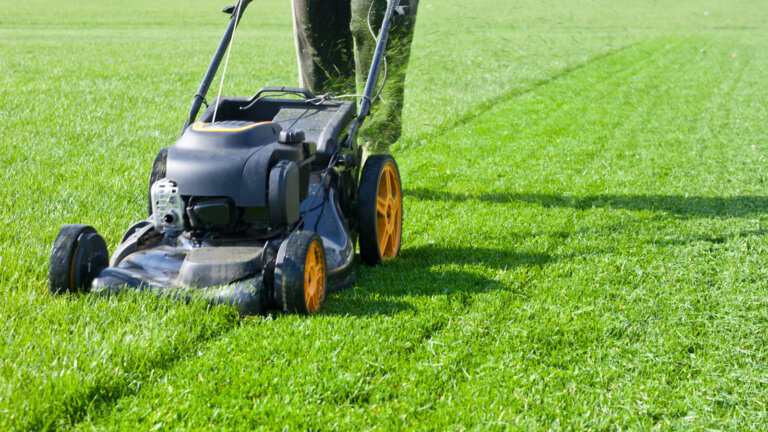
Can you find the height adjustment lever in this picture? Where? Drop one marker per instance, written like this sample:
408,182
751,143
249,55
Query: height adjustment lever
229,10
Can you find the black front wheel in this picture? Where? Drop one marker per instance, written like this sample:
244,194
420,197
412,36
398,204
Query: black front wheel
79,254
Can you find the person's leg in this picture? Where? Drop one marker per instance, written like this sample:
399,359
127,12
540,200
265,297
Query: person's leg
324,45
384,126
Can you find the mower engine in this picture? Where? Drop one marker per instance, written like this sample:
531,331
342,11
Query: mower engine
233,176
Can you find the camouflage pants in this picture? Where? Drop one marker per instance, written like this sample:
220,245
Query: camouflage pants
335,47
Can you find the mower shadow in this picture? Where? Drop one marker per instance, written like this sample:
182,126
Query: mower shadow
685,206
426,271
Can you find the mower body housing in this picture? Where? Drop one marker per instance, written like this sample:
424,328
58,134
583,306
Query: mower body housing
245,182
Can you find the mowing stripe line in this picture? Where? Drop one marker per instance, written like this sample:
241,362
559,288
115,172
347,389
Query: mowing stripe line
483,107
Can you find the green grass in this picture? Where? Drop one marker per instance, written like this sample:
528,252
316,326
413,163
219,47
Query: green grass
585,228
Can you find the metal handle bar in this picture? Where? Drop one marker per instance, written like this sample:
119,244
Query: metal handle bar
284,90
197,101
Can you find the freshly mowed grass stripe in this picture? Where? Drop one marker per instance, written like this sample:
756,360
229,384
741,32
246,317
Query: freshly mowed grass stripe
483,54
584,228
593,299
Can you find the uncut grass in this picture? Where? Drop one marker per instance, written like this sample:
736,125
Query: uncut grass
625,289
611,173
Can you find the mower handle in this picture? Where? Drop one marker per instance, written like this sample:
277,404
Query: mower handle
199,97
285,90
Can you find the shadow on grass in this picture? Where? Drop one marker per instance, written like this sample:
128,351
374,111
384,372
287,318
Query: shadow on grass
686,206
428,271
714,239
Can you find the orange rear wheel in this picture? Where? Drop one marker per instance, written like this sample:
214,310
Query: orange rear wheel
389,207
380,210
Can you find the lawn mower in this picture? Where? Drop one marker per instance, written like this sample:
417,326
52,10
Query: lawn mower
259,204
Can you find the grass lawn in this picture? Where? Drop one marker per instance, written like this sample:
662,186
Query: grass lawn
585,236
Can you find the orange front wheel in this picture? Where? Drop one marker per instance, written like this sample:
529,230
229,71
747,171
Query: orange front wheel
300,273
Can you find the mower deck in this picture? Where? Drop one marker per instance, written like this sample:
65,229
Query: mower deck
225,270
